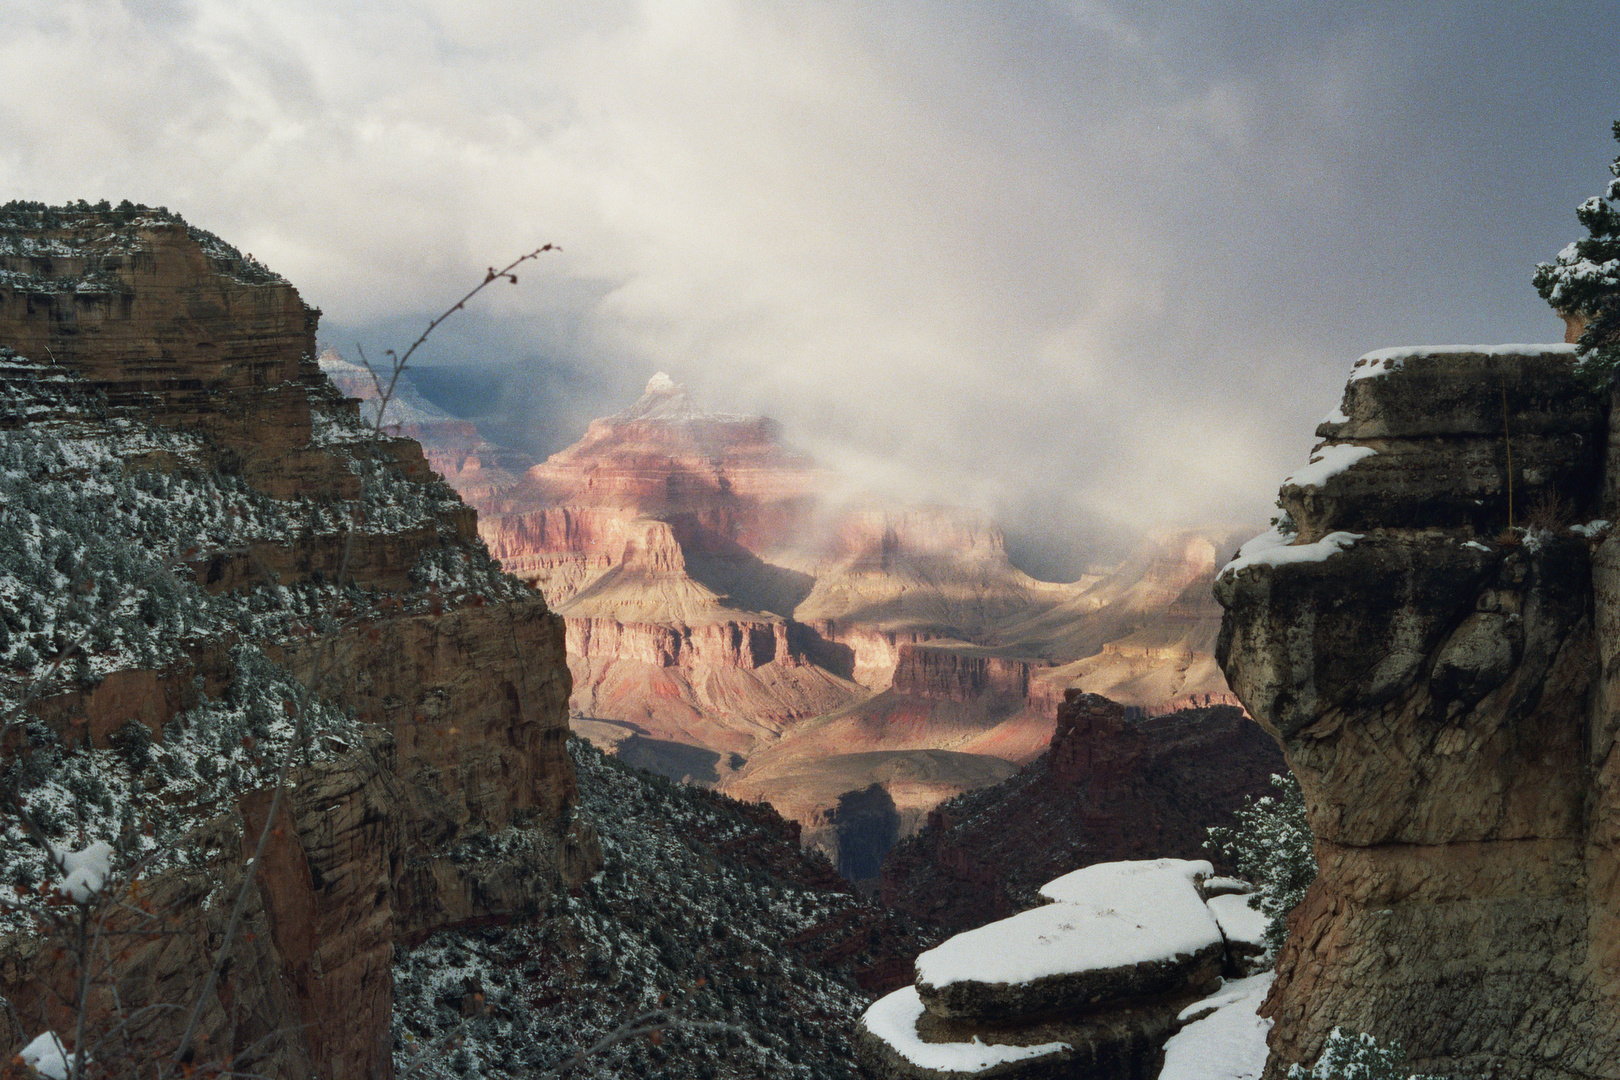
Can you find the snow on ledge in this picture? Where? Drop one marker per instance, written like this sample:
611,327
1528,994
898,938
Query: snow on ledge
1227,1044
1275,548
1382,361
1239,921
894,1020
1327,462
1110,915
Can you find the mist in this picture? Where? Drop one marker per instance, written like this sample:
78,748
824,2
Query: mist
1089,267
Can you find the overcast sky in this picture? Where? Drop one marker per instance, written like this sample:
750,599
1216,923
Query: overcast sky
1087,264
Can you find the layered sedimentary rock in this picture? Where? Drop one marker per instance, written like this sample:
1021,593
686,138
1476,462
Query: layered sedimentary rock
730,622
455,808
1112,786
1433,650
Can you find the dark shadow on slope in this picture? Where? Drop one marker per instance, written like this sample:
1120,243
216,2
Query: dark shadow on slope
868,826
678,761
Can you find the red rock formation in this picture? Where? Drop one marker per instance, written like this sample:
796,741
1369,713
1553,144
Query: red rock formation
717,604
954,672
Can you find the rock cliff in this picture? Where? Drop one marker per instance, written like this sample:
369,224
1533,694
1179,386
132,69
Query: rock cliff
188,497
1433,650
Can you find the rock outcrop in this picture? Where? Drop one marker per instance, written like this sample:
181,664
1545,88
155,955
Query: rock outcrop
446,801
1433,649
1112,786
1092,983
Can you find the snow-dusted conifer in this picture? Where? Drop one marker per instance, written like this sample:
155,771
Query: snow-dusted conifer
1584,280
1271,846
1351,1055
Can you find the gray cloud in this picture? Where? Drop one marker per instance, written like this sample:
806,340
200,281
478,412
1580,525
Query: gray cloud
1106,257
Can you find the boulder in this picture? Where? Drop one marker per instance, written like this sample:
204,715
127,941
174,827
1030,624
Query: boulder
1091,984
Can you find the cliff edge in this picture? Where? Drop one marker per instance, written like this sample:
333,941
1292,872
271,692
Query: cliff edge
187,501
1433,647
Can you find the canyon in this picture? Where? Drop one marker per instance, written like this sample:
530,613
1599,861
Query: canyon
734,618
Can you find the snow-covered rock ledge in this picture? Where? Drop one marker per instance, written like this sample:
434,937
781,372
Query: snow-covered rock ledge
1092,984
1112,932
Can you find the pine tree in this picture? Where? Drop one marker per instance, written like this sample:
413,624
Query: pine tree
1584,281
1271,845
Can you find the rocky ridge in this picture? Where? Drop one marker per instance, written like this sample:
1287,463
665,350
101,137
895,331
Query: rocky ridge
183,493
1113,786
1432,649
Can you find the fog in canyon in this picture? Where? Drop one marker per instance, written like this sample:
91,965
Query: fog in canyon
1088,266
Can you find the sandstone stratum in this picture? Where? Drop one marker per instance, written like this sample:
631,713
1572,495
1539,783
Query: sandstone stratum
189,498
1433,645
733,620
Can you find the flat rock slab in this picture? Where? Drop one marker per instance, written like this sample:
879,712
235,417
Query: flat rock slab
1114,932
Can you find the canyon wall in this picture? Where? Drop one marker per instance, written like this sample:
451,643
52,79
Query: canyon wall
457,808
1433,649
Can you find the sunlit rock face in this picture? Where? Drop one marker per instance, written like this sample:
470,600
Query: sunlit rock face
1438,683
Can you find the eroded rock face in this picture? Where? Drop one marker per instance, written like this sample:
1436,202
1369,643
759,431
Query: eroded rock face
1438,687
457,809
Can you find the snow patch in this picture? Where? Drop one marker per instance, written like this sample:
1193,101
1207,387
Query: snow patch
1327,462
1238,920
1592,529
1337,416
1275,548
1228,1044
894,1020
1105,916
1383,361
84,872
46,1056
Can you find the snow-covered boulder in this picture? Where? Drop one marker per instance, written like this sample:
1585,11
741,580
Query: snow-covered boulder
895,1033
1112,932
1092,984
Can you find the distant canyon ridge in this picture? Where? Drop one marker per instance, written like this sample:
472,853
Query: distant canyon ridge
734,620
